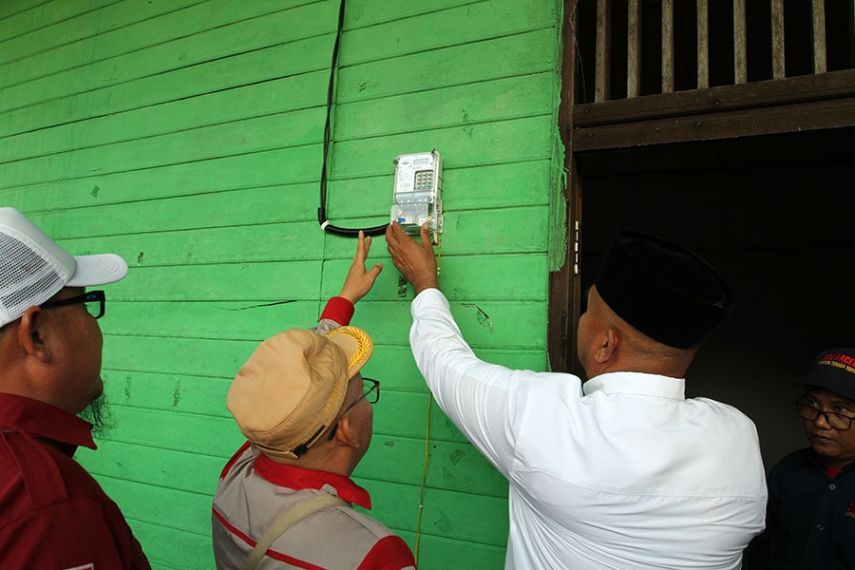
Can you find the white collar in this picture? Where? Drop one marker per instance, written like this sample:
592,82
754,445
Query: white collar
637,383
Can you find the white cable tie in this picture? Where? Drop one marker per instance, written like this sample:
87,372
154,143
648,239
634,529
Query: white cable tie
324,225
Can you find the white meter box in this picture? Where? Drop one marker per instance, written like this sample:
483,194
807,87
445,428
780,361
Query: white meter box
417,199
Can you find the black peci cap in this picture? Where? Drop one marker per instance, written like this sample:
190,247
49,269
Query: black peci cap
666,292
833,370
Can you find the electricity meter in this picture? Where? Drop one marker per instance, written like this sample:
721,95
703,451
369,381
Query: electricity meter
417,200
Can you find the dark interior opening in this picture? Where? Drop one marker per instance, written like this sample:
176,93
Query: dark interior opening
776,216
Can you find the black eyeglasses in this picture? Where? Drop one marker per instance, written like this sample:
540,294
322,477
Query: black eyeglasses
370,392
93,301
811,412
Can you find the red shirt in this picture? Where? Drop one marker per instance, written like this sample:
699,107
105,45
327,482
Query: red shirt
54,514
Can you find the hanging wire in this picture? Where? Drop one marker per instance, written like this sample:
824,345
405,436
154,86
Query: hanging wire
322,210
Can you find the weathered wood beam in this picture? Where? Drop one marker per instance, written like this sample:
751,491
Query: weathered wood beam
564,282
602,71
833,113
725,97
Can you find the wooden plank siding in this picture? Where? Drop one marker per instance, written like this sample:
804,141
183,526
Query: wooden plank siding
186,136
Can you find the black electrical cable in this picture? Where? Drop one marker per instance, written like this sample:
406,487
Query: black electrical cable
322,210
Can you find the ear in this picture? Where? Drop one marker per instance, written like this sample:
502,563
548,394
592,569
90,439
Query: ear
33,334
608,347
345,435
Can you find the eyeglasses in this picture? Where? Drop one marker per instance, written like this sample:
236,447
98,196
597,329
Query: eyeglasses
93,302
811,412
370,392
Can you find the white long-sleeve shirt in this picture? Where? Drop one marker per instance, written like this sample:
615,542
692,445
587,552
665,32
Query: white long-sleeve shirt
624,473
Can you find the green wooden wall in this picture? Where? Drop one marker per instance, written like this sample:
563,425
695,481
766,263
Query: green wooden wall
185,135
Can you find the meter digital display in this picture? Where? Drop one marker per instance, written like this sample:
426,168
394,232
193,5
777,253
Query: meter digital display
417,199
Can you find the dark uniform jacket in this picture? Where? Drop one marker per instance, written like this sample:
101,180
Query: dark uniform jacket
810,522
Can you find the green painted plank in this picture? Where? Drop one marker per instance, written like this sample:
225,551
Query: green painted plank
44,15
252,284
219,435
286,242
465,517
393,459
372,12
439,552
516,55
488,143
496,100
180,470
475,187
461,25
486,323
284,166
158,542
315,19
521,54
214,320
176,356
12,7
469,104
461,467
402,413
394,504
167,392
64,38
512,230
178,510
209,435
297,57
502,323
452,466
207,395
276,96
121,28
221,358
197,33
499,277
251,135
392,365
489,323
280,204
464,24
461,146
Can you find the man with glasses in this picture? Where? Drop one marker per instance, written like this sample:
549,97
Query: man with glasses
285,498
53,514
810,520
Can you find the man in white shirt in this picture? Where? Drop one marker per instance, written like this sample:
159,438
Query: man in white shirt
624,473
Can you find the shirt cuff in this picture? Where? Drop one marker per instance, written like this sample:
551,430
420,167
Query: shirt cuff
338,309
428,298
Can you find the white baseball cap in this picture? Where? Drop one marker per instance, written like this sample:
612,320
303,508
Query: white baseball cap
33,268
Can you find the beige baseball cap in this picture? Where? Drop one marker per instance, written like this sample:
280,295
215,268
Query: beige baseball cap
291,389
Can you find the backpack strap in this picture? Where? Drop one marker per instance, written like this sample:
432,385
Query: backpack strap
285,521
